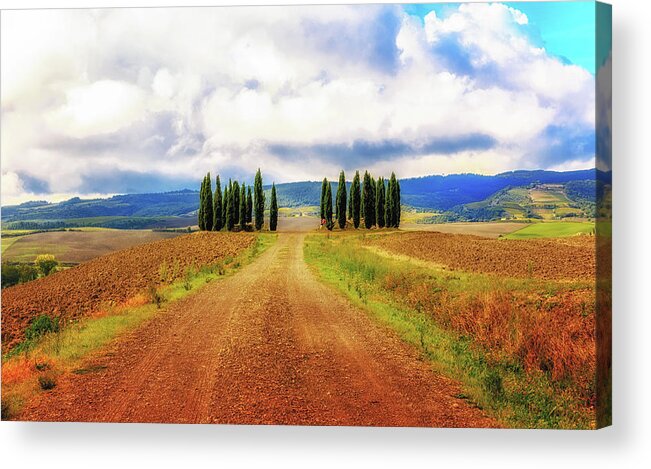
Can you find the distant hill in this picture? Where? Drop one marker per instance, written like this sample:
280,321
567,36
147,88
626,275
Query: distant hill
433,193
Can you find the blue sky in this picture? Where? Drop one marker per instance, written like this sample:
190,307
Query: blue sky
565,29
98,102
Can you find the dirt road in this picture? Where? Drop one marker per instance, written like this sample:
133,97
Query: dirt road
269,345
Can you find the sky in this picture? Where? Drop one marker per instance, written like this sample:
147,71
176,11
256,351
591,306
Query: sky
97,102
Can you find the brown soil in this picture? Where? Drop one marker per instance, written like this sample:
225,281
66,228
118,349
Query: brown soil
73,247
269,345
111,279
561,258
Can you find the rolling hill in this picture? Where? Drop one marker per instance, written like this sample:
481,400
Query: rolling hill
460,196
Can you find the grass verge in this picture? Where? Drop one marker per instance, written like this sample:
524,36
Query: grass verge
35,365
495,379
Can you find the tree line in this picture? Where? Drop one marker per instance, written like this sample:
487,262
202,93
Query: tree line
374,201
237,208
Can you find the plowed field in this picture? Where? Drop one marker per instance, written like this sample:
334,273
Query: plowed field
563,258
112,279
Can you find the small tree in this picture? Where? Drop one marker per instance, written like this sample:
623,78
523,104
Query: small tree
273,209
355,196
259,201
328,207
341,201
46,264
249,205
218,221
242,215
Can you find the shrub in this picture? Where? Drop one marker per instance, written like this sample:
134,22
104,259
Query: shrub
46,382
155,296
5,414
46,264
40,326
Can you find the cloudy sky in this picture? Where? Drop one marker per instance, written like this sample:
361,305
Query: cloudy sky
138,100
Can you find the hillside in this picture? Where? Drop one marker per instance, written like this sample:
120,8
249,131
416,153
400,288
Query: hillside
453,193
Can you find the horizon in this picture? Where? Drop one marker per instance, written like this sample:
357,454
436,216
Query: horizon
420,89
334,180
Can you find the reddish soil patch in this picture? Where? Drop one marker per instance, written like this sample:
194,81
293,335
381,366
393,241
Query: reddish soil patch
111,279
560,258
269,345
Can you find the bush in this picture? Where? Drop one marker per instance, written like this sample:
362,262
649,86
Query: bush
40,326
5,414
46,264
13,274
46,382
155,296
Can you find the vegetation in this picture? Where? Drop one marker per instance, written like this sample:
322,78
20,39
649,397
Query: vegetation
205,213
368,201
328,206
380,201
542,376
552,230
341,201
217,210
58,350
324,187
273,209
259,200
355,200
46,264
242,216
15,273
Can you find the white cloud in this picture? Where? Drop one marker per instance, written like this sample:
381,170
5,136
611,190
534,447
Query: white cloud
182,91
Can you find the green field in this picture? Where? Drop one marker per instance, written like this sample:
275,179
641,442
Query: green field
552,230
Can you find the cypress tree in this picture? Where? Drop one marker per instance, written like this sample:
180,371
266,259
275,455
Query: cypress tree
236,202
398,207
323,195
341,200
259,201
249,205
328,207
361,205
379,202
388,206
230,210
350,203
273,209
207,208
218,221
225,204
355,199
368,201
393,202
242,215
202,196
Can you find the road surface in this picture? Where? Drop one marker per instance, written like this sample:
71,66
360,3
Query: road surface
268,345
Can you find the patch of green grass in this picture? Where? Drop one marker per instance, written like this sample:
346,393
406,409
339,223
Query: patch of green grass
552,230
515,398
6,242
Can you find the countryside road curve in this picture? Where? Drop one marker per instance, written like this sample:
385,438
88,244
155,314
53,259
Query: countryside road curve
268,345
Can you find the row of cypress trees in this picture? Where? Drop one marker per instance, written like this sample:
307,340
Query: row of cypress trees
375,201
236,207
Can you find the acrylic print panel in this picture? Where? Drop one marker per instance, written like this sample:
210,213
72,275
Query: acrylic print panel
382,215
